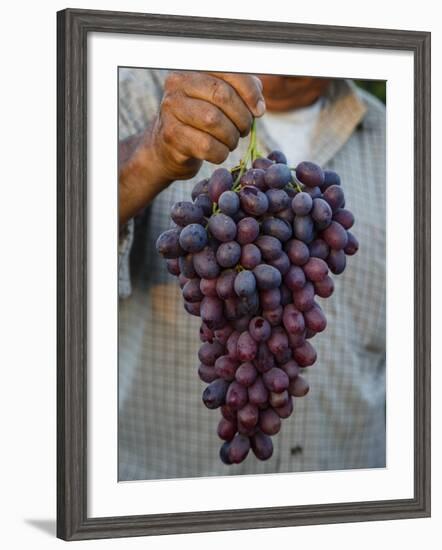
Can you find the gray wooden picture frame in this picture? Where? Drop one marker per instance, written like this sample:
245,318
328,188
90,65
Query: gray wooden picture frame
73,27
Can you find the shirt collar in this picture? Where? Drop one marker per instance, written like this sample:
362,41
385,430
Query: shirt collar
342,110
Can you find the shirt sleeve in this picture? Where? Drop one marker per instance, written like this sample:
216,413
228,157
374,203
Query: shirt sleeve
139,96
125,241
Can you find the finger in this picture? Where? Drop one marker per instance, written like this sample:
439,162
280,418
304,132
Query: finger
249,88
206,117
190,142
219,93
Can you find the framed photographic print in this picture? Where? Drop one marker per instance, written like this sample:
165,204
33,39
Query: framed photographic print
243,274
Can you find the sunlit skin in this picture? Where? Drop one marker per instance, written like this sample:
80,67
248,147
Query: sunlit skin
202,116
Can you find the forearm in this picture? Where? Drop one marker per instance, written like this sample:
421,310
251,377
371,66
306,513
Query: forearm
141,177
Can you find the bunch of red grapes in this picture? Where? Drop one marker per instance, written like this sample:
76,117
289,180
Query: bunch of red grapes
251,252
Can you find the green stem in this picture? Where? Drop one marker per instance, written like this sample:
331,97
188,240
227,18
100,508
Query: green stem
297,183
236,187
250,155
298,187
253,141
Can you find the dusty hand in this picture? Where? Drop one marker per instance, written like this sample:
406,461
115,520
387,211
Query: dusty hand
202,116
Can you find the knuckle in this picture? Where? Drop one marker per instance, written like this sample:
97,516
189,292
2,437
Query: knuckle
169,133
178,157
222,93
173,101
166,102
206,146
173,80
211,118
210,150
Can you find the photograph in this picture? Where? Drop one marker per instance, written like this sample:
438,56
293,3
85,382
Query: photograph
219,305
251,274
243,274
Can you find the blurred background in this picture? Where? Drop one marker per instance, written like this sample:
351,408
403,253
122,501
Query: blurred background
375,87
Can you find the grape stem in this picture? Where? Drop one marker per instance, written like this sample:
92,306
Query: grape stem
253,145
297,184
250,155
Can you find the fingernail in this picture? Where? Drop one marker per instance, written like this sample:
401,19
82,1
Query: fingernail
260,108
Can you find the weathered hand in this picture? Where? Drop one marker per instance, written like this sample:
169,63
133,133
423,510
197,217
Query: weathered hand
201,117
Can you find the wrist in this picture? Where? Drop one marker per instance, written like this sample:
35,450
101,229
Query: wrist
141,178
